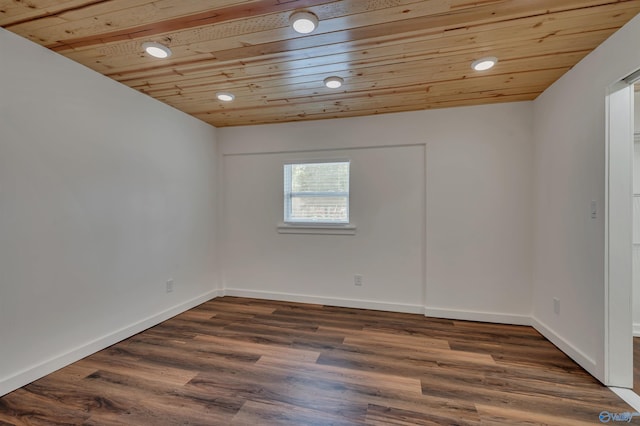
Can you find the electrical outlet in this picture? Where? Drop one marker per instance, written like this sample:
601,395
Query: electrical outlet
556,305
170,286
357,280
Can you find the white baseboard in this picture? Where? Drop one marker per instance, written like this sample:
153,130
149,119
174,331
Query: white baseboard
628,396
30,374
332,301
636,330
571,351
383,306
491,317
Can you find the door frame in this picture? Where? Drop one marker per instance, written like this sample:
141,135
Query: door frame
618,345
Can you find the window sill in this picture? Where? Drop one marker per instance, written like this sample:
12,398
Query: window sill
312,228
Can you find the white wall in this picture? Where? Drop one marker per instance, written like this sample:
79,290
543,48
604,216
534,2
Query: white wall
478,213
387,206
104,195
569,172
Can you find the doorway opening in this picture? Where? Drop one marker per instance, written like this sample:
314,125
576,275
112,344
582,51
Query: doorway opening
635,286
618,234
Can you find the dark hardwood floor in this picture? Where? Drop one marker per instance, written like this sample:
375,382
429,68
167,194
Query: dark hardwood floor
636,365
253,362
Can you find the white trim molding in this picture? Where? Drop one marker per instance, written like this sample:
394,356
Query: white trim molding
628,396
565,346
307,228
321,300
491,317
24,377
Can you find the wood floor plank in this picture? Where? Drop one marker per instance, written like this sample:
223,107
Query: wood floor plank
345,375
383,416
392,340
636,365
295,388
73,372
195,315
263,350
278,413
246,361
160,404
119,364
503,397
507,416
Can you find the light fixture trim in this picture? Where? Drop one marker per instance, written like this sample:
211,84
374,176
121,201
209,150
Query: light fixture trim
485,63
303,22
225,96
157,50
333,82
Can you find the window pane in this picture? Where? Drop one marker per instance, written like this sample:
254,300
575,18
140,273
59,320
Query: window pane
320,177
319,209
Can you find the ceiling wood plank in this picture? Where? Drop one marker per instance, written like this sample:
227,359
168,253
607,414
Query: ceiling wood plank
17,12
431,52
394,55
375,79
303,104
132,60
144,18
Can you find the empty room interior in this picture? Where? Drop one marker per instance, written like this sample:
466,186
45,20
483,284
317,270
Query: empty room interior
319,212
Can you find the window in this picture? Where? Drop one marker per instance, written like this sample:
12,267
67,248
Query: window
316,193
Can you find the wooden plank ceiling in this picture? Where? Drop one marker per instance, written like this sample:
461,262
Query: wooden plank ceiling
394,55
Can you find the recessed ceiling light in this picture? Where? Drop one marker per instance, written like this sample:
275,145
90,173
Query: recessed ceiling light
225,96
484,64
303,22
333,82
156,50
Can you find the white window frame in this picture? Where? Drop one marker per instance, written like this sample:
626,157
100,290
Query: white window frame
315,227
